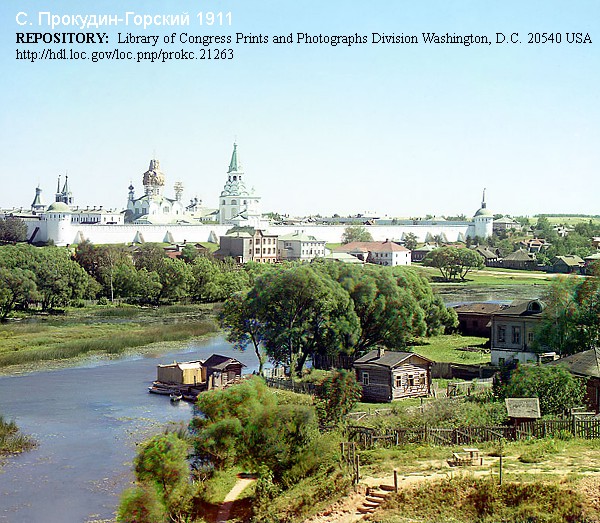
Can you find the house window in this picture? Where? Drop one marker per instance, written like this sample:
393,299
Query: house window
365,378
411,380
399,381
516,335
530,337
501,333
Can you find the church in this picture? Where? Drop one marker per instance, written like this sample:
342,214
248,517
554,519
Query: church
155,217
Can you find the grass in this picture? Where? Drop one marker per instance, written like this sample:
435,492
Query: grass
490,276
11,439
466,499
445,348
106,330
219,485
572,220
545,485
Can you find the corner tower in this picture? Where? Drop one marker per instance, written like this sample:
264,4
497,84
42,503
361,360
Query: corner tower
483,220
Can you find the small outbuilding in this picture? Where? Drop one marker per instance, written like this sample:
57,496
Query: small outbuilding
222,371
182,373
388,375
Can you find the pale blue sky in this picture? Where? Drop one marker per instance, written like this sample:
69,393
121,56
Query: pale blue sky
402,130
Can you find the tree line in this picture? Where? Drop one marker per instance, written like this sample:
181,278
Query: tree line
54,277
290,314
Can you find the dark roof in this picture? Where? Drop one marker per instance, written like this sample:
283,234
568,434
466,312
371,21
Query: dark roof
478,308
486,253
519,255
585,363
522,308
570,260
218,362
389,359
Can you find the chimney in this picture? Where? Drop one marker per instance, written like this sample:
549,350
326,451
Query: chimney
380,352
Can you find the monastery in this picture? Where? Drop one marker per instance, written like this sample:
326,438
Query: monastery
155,217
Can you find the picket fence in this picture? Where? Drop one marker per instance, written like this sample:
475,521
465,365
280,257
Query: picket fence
368,437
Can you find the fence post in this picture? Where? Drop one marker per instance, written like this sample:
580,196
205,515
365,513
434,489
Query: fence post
395,481
500,469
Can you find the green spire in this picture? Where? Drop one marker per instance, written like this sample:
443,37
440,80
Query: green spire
233,164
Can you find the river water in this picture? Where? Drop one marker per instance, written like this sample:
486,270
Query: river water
87,421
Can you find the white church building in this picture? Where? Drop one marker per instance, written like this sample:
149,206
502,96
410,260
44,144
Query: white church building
154,217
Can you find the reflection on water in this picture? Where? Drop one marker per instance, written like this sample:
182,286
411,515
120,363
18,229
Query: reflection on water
454,294
87,421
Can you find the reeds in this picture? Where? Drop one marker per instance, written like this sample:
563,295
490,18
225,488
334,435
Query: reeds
11,439
46,347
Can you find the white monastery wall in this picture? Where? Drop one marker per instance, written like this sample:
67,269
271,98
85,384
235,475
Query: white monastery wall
128,233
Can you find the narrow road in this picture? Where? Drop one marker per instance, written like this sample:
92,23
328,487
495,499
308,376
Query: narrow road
233,494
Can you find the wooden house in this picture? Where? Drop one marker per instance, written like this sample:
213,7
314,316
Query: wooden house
520,259
222,371
474,319
387,375
568,264
513,332
182,373
586,365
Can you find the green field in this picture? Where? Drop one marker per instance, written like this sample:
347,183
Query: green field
492,276
572,220
445,348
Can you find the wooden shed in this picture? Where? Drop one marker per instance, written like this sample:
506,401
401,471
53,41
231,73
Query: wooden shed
222,371
182,373
387,375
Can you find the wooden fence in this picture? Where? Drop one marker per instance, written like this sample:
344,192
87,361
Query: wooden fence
295,386
368,437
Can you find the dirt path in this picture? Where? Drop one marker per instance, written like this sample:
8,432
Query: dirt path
233,494
345,510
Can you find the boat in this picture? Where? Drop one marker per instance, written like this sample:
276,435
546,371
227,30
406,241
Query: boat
161,389
175,396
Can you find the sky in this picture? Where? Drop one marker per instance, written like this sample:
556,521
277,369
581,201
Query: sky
400,130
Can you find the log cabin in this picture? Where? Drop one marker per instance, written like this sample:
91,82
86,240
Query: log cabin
388,375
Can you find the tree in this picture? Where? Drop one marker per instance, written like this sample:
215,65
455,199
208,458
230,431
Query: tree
571,320
141,504
411,241
245,425
303,311
356,233
453,262
17,287
149,256
175,278
557,389
162,462
13,230
337,396
240,318
389,314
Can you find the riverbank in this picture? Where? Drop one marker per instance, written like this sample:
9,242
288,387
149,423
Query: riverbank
37,343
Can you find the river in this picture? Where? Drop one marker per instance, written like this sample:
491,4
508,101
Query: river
87,421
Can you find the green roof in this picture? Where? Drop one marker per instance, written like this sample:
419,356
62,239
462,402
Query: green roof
58,207
233,164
